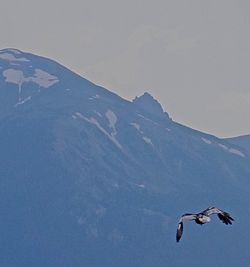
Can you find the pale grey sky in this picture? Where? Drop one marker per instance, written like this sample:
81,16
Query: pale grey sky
191,55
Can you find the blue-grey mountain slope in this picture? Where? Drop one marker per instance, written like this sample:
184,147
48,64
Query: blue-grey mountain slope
90,179
242,141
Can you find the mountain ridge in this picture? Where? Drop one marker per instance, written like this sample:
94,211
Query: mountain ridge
91,179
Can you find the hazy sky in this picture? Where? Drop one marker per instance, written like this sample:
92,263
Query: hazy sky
193,56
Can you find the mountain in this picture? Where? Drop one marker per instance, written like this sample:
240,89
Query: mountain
91,179
242,141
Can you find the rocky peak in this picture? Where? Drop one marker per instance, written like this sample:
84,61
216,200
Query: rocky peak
148,103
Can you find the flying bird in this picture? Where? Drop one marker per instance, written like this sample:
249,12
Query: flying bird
202,218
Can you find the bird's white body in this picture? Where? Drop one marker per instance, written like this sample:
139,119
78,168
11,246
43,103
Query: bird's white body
203,219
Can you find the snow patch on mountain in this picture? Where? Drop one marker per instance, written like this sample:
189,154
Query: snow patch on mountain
93,121
94,97
13,76
140,185
147,140
207,141
147,119
136,125
236,152
10,57
111,137
43,78
232,150
110,115
224,147
138,128
79,115
40,77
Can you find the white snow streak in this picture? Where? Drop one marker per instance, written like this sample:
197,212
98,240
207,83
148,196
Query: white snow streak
140,185
147,119
224,147
136,125
98,113
232,150
236,152
20,102
94,97
138,128
147,140
93,121
206,141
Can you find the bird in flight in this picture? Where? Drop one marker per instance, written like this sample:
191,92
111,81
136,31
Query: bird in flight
202,218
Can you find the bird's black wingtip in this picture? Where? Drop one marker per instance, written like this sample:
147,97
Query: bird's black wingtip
179,232
225,218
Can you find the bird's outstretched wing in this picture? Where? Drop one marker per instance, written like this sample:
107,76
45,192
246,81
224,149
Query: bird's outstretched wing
225,217
184,217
